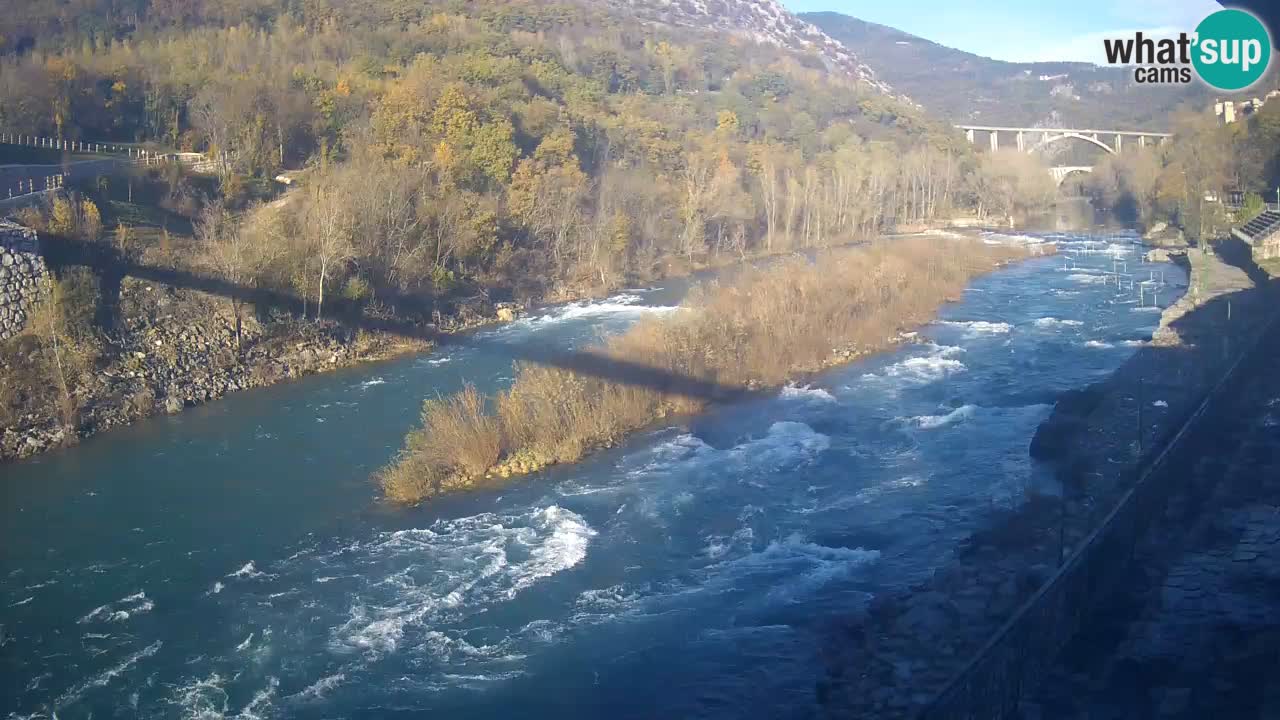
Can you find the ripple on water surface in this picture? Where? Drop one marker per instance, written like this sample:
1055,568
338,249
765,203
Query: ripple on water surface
687,573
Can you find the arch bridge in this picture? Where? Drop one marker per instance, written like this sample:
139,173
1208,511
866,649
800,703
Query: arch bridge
1033,139
1030,140
1062,172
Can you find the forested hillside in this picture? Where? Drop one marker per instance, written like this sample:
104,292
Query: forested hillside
544,146
445,156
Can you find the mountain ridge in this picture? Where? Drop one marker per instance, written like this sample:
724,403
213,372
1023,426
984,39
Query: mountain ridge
766,21
965,87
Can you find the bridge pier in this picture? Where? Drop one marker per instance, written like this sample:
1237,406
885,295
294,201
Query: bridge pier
1052,135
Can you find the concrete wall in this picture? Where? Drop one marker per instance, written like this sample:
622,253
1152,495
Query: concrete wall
1268,249
22,271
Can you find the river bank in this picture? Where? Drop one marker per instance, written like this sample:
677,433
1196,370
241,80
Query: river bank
892,661
177,348
717,549
1189,631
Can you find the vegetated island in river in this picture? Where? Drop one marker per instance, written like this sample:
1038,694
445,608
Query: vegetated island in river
764,328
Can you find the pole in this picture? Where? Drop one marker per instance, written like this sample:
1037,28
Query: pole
1141,400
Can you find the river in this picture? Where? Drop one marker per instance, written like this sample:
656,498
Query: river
234,560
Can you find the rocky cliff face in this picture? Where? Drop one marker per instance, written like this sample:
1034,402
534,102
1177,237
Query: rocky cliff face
765,21
21,272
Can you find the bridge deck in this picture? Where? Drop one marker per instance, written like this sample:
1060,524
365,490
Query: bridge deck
1123,133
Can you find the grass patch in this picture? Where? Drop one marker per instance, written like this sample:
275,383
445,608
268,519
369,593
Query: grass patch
761,329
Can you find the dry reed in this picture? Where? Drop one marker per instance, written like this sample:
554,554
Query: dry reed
764,327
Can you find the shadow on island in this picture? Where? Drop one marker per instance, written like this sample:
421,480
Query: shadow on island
111,267
1096,442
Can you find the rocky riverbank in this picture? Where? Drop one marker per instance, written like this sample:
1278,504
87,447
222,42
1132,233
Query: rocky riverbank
893,660
177,348
1191,632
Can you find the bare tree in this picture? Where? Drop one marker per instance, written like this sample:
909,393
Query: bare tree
327,223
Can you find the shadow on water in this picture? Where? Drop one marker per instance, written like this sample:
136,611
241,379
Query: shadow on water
112,267
1097,442
1178,376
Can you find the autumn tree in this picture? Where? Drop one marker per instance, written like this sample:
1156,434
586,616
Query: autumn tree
547,193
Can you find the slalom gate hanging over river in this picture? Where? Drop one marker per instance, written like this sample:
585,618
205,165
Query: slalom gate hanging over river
234,560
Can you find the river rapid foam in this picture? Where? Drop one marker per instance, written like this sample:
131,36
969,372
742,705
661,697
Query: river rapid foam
233,561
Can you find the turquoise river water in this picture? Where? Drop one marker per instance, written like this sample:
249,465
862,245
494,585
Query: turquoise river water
234,560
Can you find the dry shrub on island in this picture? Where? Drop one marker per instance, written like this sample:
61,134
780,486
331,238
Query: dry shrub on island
764,327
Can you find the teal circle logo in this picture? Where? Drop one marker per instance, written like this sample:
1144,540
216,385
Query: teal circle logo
1232,49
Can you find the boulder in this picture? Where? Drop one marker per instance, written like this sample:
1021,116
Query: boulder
1165,237
1155,230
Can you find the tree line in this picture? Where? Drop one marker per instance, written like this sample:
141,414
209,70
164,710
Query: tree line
1186,182
544,149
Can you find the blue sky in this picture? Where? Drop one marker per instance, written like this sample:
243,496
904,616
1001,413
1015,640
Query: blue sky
1024,30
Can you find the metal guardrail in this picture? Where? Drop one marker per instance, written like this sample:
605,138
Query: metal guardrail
31,186
19,180
48,143
990,686
10,204
198,162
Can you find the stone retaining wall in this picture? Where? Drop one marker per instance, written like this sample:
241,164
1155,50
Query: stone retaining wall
22,271
1268,249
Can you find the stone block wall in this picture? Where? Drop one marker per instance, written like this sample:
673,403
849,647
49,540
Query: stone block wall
1268,249
22,271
